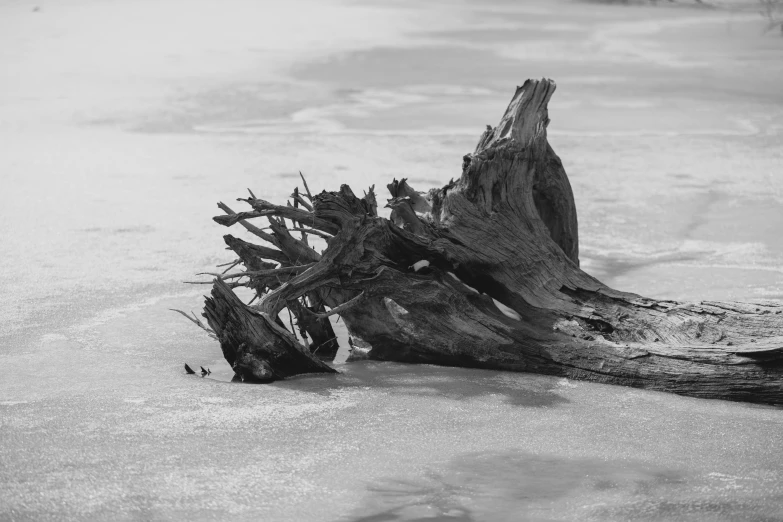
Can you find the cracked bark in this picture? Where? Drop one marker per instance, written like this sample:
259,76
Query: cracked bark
501,288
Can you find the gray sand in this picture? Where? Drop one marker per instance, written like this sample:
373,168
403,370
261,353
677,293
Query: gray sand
123,123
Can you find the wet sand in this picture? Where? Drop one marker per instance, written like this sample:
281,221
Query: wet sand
116,148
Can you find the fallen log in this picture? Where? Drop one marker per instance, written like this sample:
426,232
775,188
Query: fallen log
484,273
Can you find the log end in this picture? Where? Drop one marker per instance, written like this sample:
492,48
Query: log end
256,348
526,117
252,369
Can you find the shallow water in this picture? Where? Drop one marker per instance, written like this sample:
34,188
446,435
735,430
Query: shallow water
116,148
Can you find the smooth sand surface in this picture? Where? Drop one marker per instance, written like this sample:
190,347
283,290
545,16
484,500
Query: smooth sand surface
122,123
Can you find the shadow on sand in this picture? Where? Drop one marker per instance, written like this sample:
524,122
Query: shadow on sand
516,485
517,389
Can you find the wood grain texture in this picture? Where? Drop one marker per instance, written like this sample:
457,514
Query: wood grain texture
502,287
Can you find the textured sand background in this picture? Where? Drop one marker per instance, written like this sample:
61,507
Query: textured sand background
121,125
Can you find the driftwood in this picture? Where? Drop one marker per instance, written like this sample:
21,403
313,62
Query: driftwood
481,273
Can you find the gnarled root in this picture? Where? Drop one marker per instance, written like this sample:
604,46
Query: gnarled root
483,272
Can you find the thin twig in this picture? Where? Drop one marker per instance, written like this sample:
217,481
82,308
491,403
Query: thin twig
274,271
323,343
338,309
263,208
195,320
223,277
293,223
235,263
309,195
298,197
230,284
311,231
249,226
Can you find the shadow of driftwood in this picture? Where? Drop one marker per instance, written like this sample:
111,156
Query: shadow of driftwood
518,389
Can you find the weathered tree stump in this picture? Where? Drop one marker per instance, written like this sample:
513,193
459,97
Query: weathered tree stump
481,273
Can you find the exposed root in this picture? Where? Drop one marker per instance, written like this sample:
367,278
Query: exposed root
483,272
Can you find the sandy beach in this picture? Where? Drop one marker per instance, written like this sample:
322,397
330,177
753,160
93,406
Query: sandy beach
123,123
